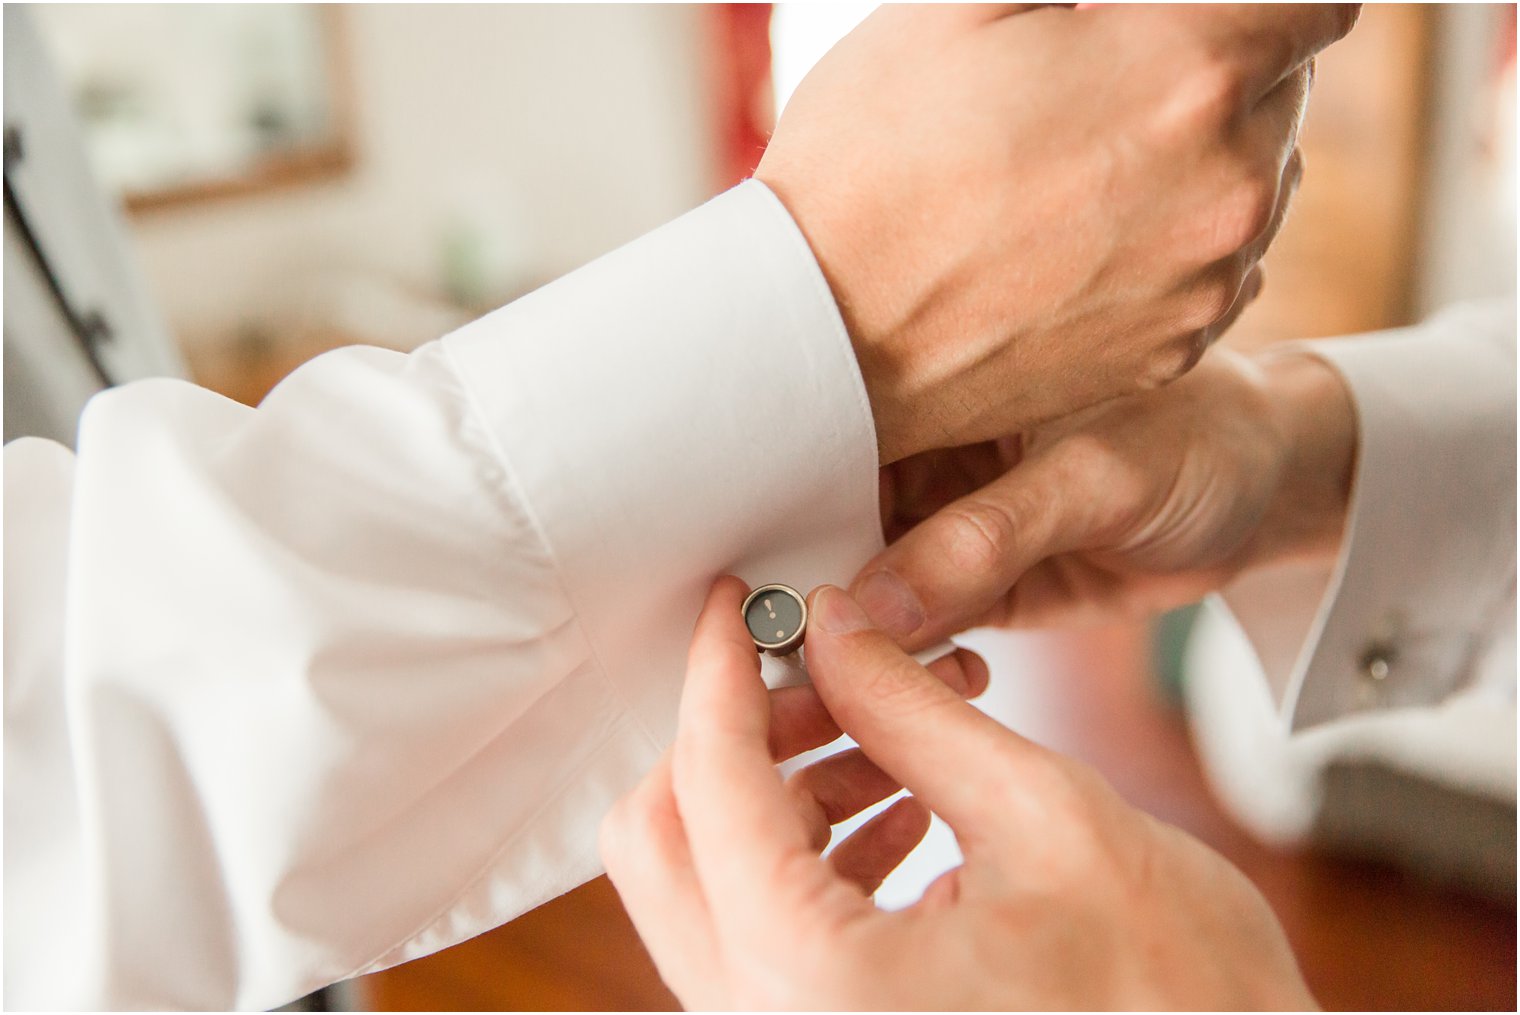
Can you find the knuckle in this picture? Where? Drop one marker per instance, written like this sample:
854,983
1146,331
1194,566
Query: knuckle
1050,778
889,691
1071,854
1295,173
981,535
806,799
1193,348
1246,210
1343,18
1207,302
1209,96
1082,455
1070,796
1220,86
1084,781
1011,767
1171,363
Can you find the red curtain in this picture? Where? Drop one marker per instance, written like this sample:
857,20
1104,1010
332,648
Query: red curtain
741,75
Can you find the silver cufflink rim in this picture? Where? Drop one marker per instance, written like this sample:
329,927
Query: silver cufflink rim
785,646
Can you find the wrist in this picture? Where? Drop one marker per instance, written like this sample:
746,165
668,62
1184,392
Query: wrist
887,381
1312,413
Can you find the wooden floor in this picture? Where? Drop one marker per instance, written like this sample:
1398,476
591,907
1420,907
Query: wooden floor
1367,936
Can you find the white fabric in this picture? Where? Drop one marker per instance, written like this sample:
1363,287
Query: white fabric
1426,569
305,691
1427,563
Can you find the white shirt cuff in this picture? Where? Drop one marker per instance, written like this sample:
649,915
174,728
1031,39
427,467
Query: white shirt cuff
1428,555
699,411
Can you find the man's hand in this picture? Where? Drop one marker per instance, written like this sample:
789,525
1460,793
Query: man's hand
1068,897
1023,212
1125,510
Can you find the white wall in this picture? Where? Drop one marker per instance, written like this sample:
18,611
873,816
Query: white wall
555,132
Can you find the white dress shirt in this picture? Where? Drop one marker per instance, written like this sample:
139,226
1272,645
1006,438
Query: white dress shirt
1402,650
300,692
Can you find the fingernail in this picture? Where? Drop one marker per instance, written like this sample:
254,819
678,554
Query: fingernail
837,613
890,604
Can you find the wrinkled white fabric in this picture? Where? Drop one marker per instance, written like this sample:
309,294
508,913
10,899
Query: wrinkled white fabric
303,691
1425,579
1426,570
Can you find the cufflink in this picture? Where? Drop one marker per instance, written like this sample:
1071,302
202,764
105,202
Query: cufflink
776,616
1377,661
1379,656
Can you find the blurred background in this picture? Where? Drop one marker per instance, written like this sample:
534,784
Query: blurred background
295,178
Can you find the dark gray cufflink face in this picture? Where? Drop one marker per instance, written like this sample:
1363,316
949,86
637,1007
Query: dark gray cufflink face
776,616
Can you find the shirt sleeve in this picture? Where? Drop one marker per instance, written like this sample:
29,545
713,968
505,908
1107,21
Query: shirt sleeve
300,692
1427,561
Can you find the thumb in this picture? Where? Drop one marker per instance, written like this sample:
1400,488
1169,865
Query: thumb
954,758
946,572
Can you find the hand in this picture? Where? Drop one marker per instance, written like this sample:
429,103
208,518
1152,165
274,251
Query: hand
644,838
1068,897
1021,216
1125,510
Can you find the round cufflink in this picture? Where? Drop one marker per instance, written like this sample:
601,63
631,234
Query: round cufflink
776,616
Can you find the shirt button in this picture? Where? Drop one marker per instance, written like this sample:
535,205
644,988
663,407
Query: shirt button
1374,666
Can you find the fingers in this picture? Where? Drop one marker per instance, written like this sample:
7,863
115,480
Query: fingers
799,722
1274,124
1270,140
643,846
875,849
1251,254
1273,41
950,569
913,727
1259,44
1249,290
842,785
750,847
922,484
1292,176
838,787
963,671
712,846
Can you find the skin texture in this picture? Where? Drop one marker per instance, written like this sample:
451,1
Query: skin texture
1123,511
1024,211
1023,214
1068,897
